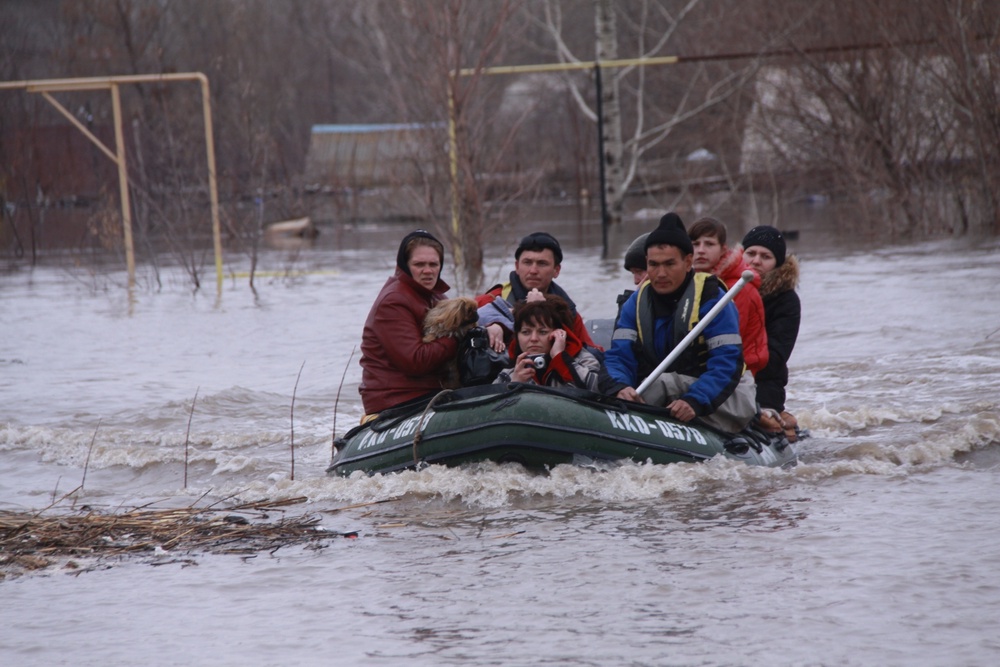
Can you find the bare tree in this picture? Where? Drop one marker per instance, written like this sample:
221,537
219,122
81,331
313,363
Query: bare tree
889,104
430,56
891,114
641,109
971,44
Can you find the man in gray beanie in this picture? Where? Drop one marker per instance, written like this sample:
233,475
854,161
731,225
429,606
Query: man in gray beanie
635,263
635,259
707,380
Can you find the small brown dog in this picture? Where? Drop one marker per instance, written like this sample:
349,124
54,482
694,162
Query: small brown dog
454,318
451,317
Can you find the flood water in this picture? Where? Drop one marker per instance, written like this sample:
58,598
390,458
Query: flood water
880,547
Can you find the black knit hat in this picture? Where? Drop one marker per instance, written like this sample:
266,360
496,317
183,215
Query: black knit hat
767,237
402,261
670,232
635,256
537,242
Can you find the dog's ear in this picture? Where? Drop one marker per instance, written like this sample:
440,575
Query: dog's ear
455,314
471,311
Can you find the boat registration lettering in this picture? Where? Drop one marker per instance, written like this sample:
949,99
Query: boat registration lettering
681,432
637,424
404,429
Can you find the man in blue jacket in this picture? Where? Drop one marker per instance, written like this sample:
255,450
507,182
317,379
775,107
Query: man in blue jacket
708,380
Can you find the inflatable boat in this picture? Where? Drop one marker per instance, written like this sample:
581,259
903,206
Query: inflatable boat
540,427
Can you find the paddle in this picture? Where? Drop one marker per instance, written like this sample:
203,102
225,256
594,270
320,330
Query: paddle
694,333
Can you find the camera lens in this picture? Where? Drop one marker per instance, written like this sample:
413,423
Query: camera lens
539,361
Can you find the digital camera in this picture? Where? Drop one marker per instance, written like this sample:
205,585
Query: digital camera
540,361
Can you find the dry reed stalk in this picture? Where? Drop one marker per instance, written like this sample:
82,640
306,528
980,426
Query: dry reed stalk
292,418
26,537
357,505
83,480
336,402
86,464
187,436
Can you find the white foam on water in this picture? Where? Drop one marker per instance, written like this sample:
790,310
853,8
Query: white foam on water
491,485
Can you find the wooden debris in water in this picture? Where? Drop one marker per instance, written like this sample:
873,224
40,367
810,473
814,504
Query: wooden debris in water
31,541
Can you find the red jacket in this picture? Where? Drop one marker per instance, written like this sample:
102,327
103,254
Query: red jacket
729,269
396,364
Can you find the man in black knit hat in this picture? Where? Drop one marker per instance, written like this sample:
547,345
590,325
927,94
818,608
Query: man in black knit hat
707,380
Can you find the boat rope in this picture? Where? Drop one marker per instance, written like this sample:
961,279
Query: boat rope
420,424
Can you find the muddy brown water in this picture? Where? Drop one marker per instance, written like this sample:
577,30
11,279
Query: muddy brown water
878,548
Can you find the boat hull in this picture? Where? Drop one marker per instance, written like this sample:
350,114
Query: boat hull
539,428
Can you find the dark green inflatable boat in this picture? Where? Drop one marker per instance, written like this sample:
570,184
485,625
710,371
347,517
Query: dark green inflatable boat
539,427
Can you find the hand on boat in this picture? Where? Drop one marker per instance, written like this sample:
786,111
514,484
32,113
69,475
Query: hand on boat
495,332
681,410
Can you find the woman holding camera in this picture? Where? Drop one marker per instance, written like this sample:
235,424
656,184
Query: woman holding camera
547,352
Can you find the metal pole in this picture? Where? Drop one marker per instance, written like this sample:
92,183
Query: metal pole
46,86
116,106
213,189
453,167
80,126
566,67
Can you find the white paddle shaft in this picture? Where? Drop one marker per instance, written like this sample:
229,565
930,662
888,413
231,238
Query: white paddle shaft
747,276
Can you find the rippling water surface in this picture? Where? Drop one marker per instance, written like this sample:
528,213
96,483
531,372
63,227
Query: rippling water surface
878,548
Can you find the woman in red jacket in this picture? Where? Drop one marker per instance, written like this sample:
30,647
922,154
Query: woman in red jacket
397,365
708,236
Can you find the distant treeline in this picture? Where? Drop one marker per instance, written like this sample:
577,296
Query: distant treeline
888,104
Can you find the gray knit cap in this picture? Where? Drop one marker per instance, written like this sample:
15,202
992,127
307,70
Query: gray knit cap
635,256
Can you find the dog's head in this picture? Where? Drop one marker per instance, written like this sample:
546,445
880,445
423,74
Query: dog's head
459,313
452,317
467,312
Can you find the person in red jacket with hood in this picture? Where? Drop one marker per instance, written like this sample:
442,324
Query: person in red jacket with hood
547,352
711,255
397,366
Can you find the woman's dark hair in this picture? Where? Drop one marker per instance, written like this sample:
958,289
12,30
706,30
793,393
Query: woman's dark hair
554,313
708,227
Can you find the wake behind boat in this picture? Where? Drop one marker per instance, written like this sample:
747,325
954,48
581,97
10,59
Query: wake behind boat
540,427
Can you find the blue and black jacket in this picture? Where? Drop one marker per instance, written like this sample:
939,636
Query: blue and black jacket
642,339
